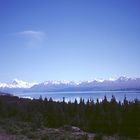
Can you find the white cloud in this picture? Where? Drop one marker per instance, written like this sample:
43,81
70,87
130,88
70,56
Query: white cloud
32,38
33,34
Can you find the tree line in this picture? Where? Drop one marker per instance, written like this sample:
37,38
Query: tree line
107,117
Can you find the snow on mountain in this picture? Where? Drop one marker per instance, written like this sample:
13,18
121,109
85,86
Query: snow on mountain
53,86
121,83
16,84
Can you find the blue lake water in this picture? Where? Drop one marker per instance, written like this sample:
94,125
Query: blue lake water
71,96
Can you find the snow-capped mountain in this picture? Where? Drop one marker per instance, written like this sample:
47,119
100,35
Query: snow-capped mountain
16,84
121,83
53,86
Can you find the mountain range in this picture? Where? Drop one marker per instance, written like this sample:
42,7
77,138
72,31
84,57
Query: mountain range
121,83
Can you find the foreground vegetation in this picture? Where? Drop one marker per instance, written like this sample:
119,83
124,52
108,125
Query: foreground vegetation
37,118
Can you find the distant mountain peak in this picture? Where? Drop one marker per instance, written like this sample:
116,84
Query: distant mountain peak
16,81
16,84
123,78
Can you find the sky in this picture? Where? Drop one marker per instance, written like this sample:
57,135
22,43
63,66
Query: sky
69,39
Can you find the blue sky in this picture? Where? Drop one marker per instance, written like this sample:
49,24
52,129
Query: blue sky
69,39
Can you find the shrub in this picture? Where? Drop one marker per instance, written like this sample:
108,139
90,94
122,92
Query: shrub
98,137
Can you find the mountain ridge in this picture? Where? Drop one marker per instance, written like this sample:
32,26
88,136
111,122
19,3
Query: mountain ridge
121,83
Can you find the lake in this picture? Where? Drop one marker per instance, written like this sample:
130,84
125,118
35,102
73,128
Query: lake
71,96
